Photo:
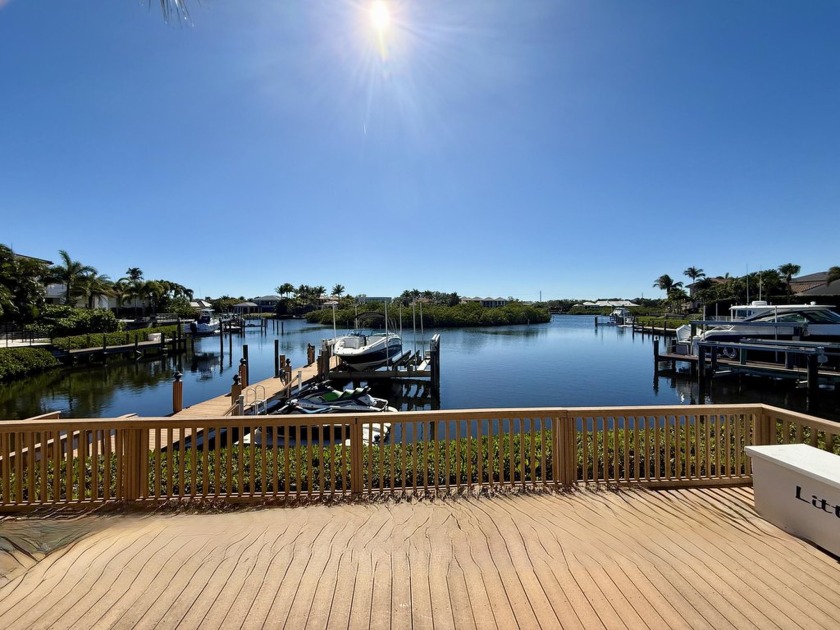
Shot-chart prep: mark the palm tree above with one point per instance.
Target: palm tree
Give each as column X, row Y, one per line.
column 133, row 274
column 153, row 291
column 70, row 273
column 832, row 275
column 93, row 286
column 285, row 289
column 338, row 290
column 666, row 283
column 694, row 273
column 788, row 270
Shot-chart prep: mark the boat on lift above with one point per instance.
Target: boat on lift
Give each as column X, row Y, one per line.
column 206, row 324
column 364, row 349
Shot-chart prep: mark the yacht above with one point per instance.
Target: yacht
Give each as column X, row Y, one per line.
column 800, row 322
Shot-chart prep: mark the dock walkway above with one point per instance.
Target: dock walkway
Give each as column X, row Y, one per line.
column 267, row 389
column 692, row 558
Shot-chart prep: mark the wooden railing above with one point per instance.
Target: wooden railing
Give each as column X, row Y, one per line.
column 280, row 459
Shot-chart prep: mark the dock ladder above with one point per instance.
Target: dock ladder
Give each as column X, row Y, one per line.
column 255, row 398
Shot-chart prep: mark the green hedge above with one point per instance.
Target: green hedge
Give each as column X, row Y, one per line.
column 16, row 362
column 659, row 322
column 98, row 340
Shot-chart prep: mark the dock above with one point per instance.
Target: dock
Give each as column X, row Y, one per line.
column 799, row 361
column 137, row 349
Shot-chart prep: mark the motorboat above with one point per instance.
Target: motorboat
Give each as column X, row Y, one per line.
column 206, row 324
column 361, row 350
column 742, row 312
column 621, row 317
column 798, row 322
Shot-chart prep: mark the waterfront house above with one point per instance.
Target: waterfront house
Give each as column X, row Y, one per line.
column 487, row 302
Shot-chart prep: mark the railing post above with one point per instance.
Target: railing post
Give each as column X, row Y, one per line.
column 764, row 429
column 134, row 463
column 357, row 479
column 565, row 451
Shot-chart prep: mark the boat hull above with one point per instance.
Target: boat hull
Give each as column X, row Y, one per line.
column 365, row 354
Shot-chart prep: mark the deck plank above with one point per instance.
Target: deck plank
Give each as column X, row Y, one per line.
column 697, row 558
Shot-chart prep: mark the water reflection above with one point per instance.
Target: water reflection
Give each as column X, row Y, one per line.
column 564, row 363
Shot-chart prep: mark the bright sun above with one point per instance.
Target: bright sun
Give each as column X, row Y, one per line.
column 380, row 17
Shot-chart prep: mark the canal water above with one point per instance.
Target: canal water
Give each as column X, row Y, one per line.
column 567, row 362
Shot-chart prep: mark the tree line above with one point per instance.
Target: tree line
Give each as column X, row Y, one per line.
column 726, row 288
column 24, row 281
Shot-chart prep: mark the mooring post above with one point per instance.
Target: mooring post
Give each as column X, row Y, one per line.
column 177, row 393
column 236, row 388
column 813, row 379
column 247, row 378
column 656, row 355
column 276, row 358
column 288, row 370
column 243, row 372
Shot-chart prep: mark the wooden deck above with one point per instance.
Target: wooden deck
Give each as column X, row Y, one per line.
column 698, row 558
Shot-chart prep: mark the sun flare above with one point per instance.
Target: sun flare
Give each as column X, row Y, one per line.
column 380, row 17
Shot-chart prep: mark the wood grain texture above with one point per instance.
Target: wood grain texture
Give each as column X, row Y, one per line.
column 689, row 558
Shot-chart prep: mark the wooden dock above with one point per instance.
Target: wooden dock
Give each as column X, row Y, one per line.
column 136, row 350
column 692, row 558
column 265, row 390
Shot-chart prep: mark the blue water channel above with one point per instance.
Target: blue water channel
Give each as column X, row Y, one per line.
column 566, row 362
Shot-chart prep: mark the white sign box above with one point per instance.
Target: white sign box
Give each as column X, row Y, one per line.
column 797, row 487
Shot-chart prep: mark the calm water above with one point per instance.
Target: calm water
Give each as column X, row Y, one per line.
column 566, row 362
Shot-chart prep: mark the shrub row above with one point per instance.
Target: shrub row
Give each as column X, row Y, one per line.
column 98, row 340
column 16, row 362
column 659, row 322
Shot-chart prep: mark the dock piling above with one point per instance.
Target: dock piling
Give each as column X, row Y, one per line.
column 177, row 393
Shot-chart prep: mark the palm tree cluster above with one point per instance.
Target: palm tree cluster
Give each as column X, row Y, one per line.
column 303, row 297
column 432, row 297
column 767, row 282
column 84, row 282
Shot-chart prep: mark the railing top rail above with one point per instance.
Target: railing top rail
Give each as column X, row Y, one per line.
column 137, row 422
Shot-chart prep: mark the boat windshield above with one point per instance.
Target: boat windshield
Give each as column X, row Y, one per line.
column 820, row 317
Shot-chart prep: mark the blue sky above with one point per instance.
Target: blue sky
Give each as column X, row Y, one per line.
column 506, row 148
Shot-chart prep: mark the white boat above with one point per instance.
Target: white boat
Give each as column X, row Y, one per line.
column 362, row 350
column 206, row 324
column 743, row 312
column 621, row 317
column 800, row 322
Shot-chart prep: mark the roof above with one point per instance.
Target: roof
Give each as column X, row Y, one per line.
column 611, row 303
column 267, row 298
column 811, row 277
column 823, row 289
